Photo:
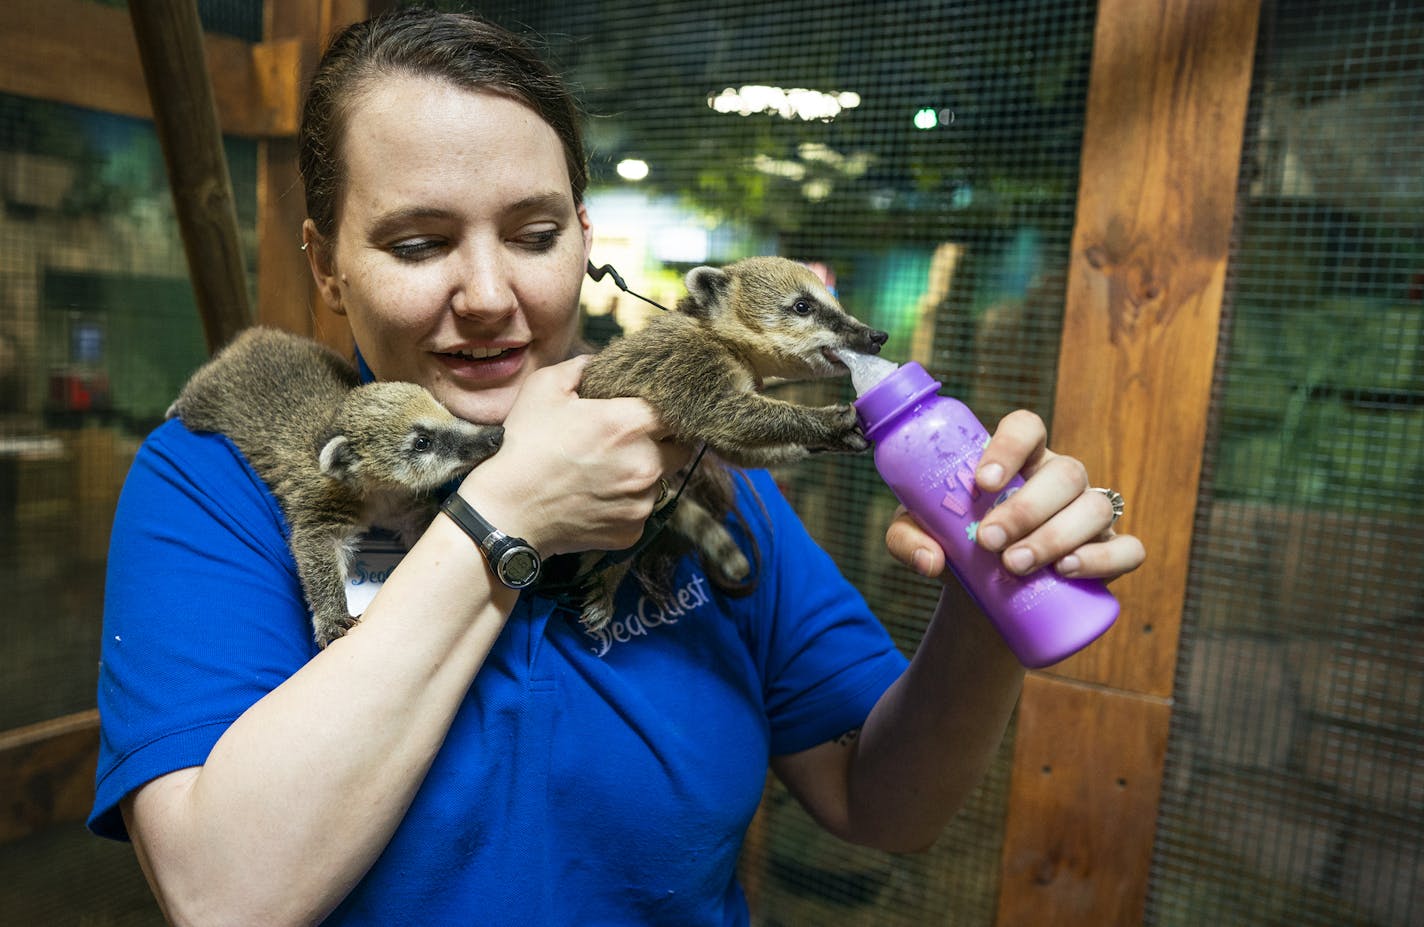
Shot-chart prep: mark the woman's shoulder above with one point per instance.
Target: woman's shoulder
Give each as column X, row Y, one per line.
column 180, row 472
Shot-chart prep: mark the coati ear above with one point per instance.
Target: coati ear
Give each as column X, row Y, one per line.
column 708, row 287
column 338, row 459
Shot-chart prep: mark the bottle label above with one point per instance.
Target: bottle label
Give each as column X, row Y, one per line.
column 948, row 484
column 953, row 472
column 1024, row 592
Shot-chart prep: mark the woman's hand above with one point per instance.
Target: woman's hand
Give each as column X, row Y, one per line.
column 1055, row 518
column 574, row 474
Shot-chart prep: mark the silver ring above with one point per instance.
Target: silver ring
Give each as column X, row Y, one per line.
column 663, row 490
column 1119, row 505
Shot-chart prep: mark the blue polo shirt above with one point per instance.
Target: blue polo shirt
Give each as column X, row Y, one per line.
column 586, row 779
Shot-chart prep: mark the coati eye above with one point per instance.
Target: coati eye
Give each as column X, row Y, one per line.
column 802, row 307
column 421, row 444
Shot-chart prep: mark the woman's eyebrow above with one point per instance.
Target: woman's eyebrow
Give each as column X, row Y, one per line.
column 553, row 201
column 391, row 222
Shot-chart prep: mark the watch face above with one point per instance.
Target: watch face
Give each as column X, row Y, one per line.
column 519, row 567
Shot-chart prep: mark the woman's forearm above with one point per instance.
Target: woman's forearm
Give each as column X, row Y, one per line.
column 931, row 737
column 303, row 791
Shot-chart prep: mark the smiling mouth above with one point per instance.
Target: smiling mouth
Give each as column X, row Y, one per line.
column 479, row 354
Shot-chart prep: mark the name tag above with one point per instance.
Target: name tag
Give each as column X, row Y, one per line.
column 376, row 555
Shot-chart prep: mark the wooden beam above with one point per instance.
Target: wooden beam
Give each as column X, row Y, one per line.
column 286, row 294
column 1156, row 201
column 1085, row 786
column 83, row 54
column 170, row 44
column 47, row 773
column 1161, row 151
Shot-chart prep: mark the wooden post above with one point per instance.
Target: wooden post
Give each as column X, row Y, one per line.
column 170, row 44
column 1161, row 152
column 286, row 294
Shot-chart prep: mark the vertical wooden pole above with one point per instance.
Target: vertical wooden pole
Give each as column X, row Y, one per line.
column 286, row 295
column 170, row 44
column 1161, row 152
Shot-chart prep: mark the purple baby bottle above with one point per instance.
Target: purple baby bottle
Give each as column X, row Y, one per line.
column 927, row 447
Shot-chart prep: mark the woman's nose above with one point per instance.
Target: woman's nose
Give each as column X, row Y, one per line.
column 484, row 289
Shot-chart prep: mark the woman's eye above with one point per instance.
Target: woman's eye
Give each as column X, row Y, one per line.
column 539, row 239
column 416, row 249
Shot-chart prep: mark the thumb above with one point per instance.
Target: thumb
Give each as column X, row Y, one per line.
column 561, row 378
column 912, row 545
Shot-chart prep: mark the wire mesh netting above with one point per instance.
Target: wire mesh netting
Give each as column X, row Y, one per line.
column 1295, row 773
column 98, row 328
column 924, row 157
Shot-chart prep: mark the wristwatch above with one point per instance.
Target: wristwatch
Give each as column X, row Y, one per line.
column 514, row 562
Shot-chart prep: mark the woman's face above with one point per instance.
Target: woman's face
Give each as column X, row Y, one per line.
column 459, row 249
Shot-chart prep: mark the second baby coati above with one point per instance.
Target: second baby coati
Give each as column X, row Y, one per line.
column 702, row 367
column 339, row 456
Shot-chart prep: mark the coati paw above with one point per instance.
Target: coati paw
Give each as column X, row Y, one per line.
column 852, row 439
column 597, row 610
column 330, row 629
column 853, row 442
column 843, row 435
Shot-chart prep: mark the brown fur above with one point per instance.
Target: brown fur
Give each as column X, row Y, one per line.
column 338, row 456
column 702, row 368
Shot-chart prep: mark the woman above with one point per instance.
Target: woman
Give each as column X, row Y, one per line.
column 466, row 753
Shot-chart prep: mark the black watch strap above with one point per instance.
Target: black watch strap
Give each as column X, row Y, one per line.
column 514, row 562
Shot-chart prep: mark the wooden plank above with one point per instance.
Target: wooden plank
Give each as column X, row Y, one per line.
column 84, row 54
column 1161, row 150
column 1162, row 142
column 1085, row 786
column 277, row 70
column 286, row 294
column 285, row 290
column 47, row 773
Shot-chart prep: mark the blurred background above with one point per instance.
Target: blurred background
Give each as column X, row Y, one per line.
column 931, row 160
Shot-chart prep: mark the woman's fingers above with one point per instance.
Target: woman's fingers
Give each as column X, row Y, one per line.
column 1108, row 558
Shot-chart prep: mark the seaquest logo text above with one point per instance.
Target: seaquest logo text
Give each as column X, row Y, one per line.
column 650, row 615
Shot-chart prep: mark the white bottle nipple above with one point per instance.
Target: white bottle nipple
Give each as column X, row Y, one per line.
column 866, row 370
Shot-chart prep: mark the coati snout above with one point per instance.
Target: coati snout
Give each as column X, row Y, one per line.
column 398, row 435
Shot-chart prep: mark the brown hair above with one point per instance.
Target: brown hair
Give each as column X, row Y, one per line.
column 461, row 48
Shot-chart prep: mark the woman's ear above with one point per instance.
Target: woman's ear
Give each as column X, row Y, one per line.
column 587, row 227
column 323, row 266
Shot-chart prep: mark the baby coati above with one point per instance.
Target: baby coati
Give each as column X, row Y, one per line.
column 339, row 456
column 702, row 367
